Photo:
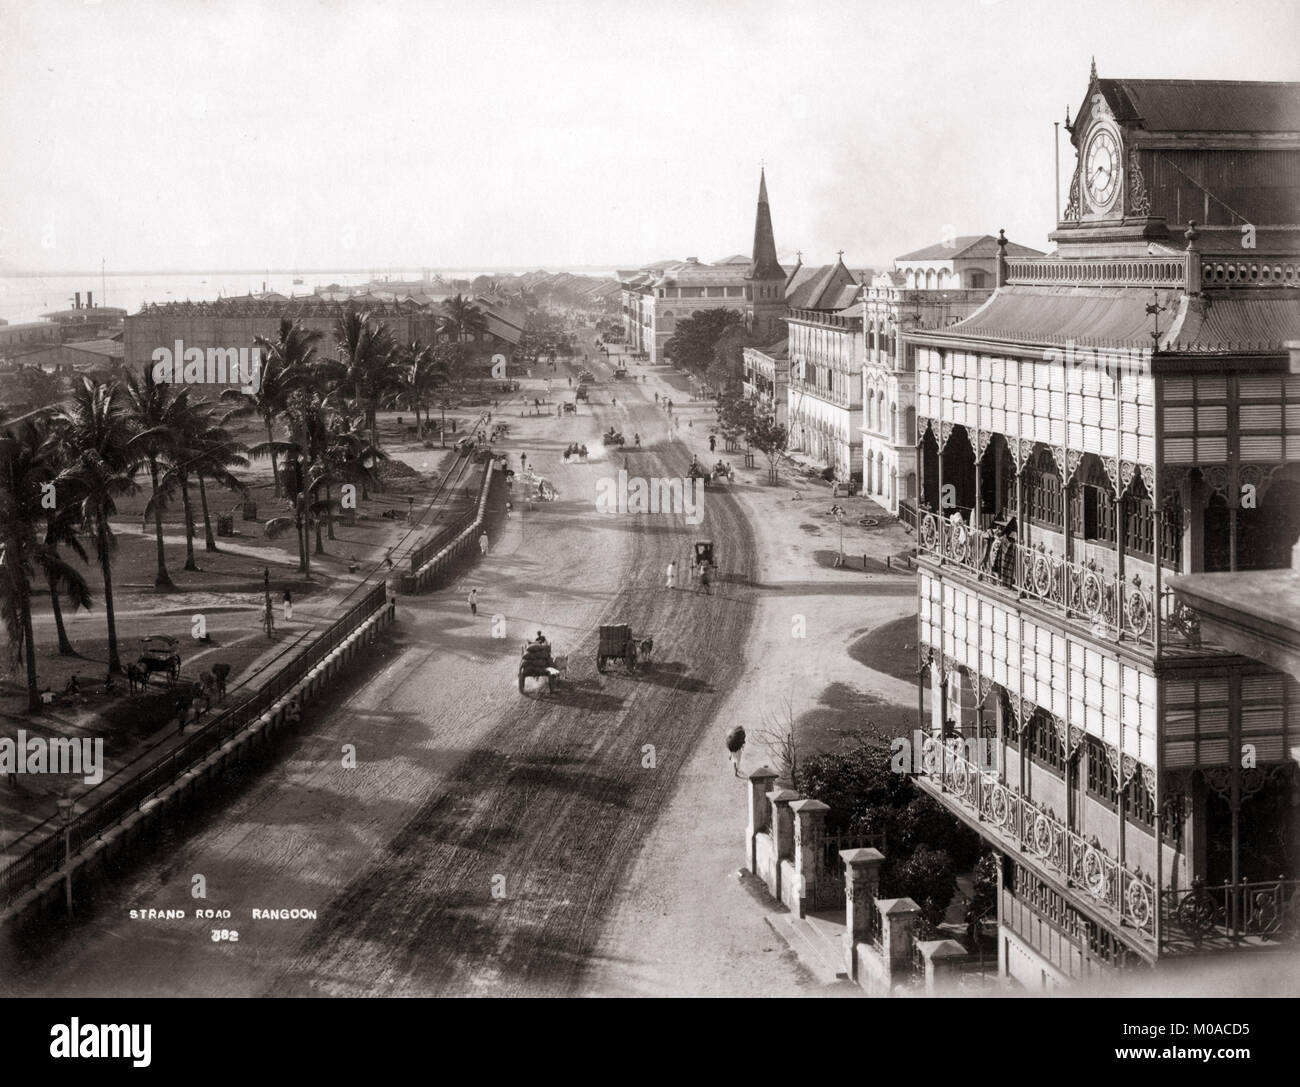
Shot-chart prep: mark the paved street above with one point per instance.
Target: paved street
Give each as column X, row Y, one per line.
column 462, row 786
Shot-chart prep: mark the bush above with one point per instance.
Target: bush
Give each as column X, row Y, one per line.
column 927, row 878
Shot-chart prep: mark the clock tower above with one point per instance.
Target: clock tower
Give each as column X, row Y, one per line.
column 1108, row 210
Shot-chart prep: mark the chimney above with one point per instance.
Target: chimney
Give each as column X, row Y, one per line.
column 76, row 300
column 1000, row 280
column 90, row 300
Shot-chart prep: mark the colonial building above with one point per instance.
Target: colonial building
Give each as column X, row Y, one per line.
column 656, row 297
column 235, row 322
column 766, row 378
column 826, row 351
column 930, row 288
column 1118, row 414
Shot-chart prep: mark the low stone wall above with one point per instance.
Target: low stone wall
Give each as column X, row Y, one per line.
column 435, row 571
column 90, row 862
column 785, row 848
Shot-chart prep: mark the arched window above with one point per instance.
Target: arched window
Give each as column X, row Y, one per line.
column 910, row 436
column 893, row 422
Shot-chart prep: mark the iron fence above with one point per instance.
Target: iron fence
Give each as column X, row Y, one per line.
column 41, row 850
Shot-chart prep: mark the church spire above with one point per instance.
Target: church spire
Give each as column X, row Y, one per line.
column 764, row 264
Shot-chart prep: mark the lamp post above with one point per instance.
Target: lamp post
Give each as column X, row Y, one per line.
column 66, row 807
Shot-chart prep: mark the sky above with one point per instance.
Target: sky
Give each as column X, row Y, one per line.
column 333, row 134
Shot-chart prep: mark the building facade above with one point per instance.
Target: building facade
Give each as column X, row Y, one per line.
column 1118, row 414
column 766, row 379
column 925, row 289
column 655, row 298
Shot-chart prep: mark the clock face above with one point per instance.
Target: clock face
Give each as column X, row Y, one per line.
column 1101, row 168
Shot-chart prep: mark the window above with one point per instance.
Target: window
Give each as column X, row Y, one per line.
column 1139, row 526
column 1101, row 779
column 1093, row 513
column 1138, row 804
column 1044, row 499
column 1045, row 745
column 1171, row 535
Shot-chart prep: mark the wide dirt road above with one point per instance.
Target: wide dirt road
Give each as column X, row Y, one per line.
column 477, row 843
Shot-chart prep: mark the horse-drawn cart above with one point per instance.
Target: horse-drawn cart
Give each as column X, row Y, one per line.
column 538, row 662
column 618, row 643
column 160, row 653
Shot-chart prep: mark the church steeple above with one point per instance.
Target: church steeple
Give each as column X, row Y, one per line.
column 764, row 264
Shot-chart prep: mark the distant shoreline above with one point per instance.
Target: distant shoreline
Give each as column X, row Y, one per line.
column 520, row 269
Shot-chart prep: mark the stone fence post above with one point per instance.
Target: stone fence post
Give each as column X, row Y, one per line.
column 782, row 826
column 898, row 917
column 941, row 958
column 861, row 886
column 809, row 819
column 760, row 781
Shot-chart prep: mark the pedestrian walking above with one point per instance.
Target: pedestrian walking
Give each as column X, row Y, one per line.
column 287, row 604
column 713, row 443
column 388, row 558
column 473, row 601
column 483, row 544
column 523, row 461
column 672, row 576
column 704, row 579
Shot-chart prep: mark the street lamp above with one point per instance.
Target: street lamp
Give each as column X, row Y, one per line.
column 66, row 806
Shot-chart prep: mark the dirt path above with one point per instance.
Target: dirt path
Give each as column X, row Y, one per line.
column 460, row 780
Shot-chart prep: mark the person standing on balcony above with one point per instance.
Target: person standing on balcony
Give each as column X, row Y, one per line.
column 1005, row 568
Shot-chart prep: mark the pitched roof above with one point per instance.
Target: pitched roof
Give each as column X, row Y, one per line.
column 1245, row 321
column 968, row 247
column 1204, row 105
column 830, row 287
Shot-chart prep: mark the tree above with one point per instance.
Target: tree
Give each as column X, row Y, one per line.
column 696, row 338
column 286, row 363
column 366, row 363
column 95, row 430
column 214, row 451
column 27, row 471
column 63, row 525
column 159, row 416
column 462, row 319
column 418, row 375
column 770, row 438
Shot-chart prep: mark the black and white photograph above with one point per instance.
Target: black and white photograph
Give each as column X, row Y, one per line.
column 759, row 499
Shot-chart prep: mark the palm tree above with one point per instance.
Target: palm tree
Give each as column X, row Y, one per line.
column 366, row 363
column 215, row 453
column 63, row 524
column 27, row 467
column 462, row 319
column 418, row 375
column 286, row 363
column 96, row 431
column 160, row 419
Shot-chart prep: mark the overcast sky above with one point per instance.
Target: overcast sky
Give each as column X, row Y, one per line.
column 298, row 134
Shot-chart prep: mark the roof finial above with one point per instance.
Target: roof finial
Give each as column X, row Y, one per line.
column 841, row 254
column 1093, row 73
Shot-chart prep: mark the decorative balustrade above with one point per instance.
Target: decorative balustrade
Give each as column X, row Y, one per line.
column 1036, row 831
column 1120, row 271
column 1113, row 606
column 1205, row 917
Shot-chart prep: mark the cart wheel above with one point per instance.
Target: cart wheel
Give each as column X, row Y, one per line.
column 521, row 681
